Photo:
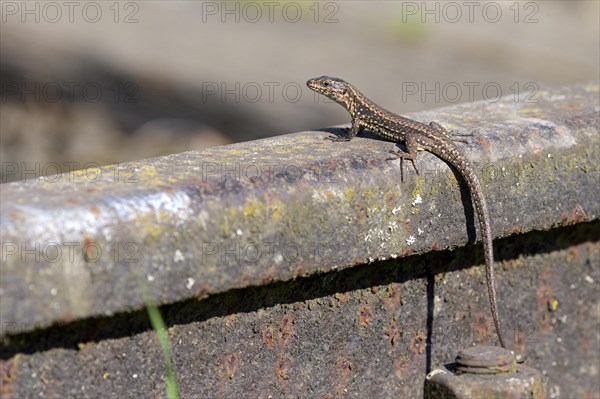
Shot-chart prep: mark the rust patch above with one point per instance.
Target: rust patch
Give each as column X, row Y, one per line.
column 574, row 254
column 95, row 210
column 89, row 249
column 282, row 368
column 392, row 298
column 65, row 318
column 577, row 215
column 165, row 188
column 72, row 201
column 482, row 328
column 364, row 315
column 515, row 230
column 269, row 275
column 344, row 369
column 16, row 216
column 226, row 369
column 286, row 331
column 342, row 297
column 202, row 291
column 401, row 366
column 390, row 200
column 362, row 215
column 231, row 365
column 545, row 296
column 484, row 141
column 408, row 251
column 300, row 272
column 268, row 337
column 417, row 346
column 520, row 336
column 393, row 332
column 245, row 280
column 7, row 376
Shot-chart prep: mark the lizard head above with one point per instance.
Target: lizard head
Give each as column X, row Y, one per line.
column 337, row 89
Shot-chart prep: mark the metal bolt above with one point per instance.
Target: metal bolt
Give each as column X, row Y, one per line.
column 485, row 360
column 484, row 371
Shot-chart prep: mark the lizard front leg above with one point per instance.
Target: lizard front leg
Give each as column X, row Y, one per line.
column 354, row 130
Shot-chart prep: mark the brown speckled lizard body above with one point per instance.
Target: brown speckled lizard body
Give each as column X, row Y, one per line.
column 416, row 136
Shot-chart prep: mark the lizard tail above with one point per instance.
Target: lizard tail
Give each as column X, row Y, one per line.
column 486, row 232
column 466, row 170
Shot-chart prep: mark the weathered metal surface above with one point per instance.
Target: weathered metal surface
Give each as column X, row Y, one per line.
column 372, row 331
column 484, row 372
column 89, row 243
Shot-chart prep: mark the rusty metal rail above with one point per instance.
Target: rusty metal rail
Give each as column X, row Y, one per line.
column 238, row 224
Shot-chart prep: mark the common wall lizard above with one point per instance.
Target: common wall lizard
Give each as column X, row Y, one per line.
column 416, row 136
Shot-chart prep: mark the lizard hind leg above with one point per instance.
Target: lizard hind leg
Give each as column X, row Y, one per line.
column 410, row 155
column 439, row 128
column 453, row 135
column 456, row 140
column 458, row 137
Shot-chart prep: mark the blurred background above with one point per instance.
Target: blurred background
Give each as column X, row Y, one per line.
column 92, row 83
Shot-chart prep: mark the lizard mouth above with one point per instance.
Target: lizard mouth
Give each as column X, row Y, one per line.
column 320, row 84
column 313, row 85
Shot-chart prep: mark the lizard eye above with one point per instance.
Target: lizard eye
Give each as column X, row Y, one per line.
column 326, row 84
